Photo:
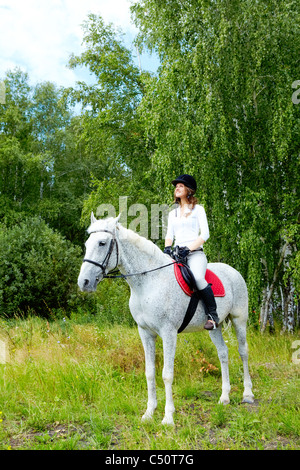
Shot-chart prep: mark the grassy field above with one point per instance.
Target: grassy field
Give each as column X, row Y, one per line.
column 76, row 384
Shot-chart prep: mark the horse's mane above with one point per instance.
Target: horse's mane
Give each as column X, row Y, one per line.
column 146, row 246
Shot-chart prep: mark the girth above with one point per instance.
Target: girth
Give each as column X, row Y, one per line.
column 193, row 303
column 195, row 297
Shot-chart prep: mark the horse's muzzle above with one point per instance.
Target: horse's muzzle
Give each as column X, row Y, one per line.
column 86, row 285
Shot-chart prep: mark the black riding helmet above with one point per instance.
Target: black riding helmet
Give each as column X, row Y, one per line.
column 187, row 180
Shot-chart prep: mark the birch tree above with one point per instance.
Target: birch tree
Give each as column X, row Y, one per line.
column 221, row 108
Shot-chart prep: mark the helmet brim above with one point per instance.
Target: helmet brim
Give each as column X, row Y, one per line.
column 178, row 180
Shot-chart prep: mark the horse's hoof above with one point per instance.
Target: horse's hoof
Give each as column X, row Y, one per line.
column 224, row 401
column 147, row 416
column 248, row 399
column 168, row 421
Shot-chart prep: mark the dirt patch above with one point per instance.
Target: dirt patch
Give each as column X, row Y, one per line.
column 50, row 433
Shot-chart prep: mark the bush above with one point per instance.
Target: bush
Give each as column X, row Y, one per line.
column 38, row 269
column 112, row 298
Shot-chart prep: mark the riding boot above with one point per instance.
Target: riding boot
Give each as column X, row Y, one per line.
column 208, row 298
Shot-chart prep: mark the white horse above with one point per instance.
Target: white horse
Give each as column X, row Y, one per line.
column 158, row 304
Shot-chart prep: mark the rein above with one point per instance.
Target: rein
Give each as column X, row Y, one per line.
column 113, row 276
column 105, row 262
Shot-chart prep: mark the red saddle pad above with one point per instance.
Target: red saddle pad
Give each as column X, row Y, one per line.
column 210, row 277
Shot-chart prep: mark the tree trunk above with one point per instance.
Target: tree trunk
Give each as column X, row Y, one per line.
column 289, row 309
column 268, row 293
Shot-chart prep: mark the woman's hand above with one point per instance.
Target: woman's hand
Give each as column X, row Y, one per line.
column 168, row 250
column 180, row 253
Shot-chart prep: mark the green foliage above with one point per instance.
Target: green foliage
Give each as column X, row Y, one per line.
column 221, row 109
column 38, row 269
column 21, row 178
column 112, row 133
column 41, row 170
column 110, row 103
column 112, row 303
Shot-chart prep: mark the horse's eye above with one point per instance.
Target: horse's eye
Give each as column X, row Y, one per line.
column 101, row 243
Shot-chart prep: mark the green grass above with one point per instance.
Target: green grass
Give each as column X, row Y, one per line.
column 76, row 384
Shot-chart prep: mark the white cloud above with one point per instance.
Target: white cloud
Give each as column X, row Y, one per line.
column 40, row 35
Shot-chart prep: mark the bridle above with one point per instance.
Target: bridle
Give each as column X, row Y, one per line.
column 105, row 262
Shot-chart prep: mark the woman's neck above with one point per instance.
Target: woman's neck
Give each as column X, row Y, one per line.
column 183, row 202
column 185, row 208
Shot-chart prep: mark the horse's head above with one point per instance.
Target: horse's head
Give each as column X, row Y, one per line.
column 101, row 254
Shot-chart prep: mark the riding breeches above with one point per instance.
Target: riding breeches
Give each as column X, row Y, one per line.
column 197, row 261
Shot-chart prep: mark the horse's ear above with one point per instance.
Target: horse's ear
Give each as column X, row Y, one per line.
column 93, row 218
column 117, row 220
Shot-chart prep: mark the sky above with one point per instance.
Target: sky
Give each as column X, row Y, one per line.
column 40, row 35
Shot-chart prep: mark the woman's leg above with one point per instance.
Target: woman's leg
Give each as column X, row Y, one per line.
column 197, row 261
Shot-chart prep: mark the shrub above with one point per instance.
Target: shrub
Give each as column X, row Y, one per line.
column 38, row 268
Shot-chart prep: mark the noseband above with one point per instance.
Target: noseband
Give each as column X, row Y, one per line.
column 105, row 262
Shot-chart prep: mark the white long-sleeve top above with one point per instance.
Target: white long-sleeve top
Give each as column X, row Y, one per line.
column 186, row 229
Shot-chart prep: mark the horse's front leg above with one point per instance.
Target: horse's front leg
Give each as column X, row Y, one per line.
column 169, row 345
column 148, row 340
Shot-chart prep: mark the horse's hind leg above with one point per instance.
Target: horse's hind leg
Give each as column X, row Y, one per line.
column 148, row 340
column 240, row 328
column 218, row 340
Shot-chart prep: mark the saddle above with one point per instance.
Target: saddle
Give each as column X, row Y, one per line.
column 186, row 280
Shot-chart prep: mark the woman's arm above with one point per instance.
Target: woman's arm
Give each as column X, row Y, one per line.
column 168, row 242
column 204, row 230
column 196, row 244
column 170, row 232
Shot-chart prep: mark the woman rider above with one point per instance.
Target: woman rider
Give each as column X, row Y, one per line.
column 187, row 224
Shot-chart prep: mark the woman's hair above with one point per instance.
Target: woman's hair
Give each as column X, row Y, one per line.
column 191, row 198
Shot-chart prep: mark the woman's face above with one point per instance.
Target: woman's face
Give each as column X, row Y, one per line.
column 181, row 191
